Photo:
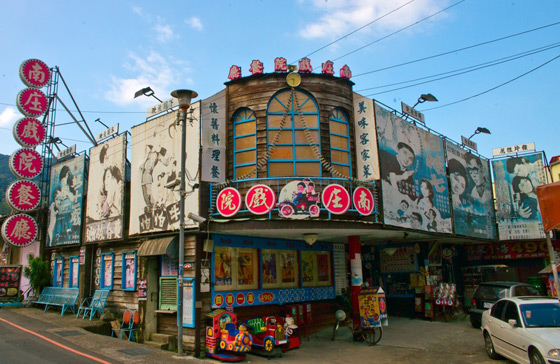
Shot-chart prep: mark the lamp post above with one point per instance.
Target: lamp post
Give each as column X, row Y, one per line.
column 184, row 97
column 147, row 91
column 480, row 130
column 423, row 98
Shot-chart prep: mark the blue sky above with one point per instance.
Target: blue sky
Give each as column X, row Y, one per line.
column 107, row 50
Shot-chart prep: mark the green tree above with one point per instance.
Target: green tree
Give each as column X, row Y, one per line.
column 38, row 272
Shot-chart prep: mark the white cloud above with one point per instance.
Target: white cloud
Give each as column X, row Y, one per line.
column 343, row 16
column 195, row 23
column 9, row 116
column 154, row 70
column 164, row 33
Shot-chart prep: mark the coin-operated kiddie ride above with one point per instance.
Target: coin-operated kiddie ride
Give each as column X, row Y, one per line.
column 268, row 335
column 224, row 341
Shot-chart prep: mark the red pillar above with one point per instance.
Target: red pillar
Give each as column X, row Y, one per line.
column 356, row 277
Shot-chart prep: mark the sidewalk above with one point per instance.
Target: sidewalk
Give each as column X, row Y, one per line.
column 403, row 341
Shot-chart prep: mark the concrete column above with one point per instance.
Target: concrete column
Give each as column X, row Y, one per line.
column 356, row 277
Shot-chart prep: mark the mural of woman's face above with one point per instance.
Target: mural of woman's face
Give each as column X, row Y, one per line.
column 525, row 185
column 458, row 183
column 424, row 188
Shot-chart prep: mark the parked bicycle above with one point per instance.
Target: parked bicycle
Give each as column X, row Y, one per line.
column 360, row 332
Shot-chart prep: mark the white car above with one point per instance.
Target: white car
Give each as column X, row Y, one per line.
column 523, row 329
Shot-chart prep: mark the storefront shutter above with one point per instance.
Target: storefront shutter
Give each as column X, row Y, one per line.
column 168, row 293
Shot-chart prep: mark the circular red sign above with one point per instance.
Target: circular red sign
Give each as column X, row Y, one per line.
column 363, row 200
column 34, row 73
column 250, row 298
column 229, row 299
column 260, row 199
column 26, row 163
column 29, row 132
column 20, row 230
column 218, row 300
column 240, row 299
column 336, row 199
column 23, row 195
column 228, row 202
column 32, row 102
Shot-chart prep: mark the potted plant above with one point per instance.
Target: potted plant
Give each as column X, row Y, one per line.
column 39, row 274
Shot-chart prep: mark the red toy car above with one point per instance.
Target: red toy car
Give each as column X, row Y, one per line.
column 267, row 333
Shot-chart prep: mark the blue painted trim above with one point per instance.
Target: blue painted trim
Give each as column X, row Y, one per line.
column 243, row 115
column 102, row 277
column 193, row 303
column 55, row 272
column 123, row 271
column 71, row 271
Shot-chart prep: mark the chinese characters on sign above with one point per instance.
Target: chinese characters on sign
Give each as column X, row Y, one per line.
column 20, row 230
column 336, row 199
column 34, row 73
column 364, row 201
column 406, row 109
column 107, row 133
column 32, row 102
column 280, row 65
column 23, row 195
column 213, row 137
column 26, row 163
column 260, row 199
column 519, row 148
column 66, row 152
column 228, row 202
column 234, row 72
column 160, row 108
column 256, row 67
column 29, row 132
column 366, row 139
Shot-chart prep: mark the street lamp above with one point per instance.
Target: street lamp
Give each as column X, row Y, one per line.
column 480, row 130
column 146, row 91
column 184, row 97
column 423, row 98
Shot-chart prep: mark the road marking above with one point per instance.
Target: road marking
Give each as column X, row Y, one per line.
column 55, row 343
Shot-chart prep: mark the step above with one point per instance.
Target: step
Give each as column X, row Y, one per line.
column 157, row 345
column 160, row 338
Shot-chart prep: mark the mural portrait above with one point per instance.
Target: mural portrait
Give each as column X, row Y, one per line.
column 516, row 181
column 105, row 197
column 155, row 173
column 413, row 177
column 470, row 187
column 65, row 202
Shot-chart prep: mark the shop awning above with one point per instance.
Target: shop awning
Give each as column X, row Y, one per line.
column 160, row 246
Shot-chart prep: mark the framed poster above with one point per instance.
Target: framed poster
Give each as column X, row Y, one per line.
column 289, row 268
column 107, row 268
column 247, row 266
column 222, row 268
column 324, row 273
column 129, row 263
column 279, row 268
column 235, row 268
column 58, row 272
column 308, row 268
column 269, row 268
column 74, row 271
column 189, row 300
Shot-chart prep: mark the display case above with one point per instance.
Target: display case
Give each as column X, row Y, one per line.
column 398, row 284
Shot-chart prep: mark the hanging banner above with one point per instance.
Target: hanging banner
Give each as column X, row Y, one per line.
column 105, row 197
column 516, row 180
column 213, row 137
column 20, row 230
column 413, row 177
column 366, row 139
column 156, row 173
column 34, row 73
column 471, row 193
column 65, row 202
column 23, row 195
column 29, row 132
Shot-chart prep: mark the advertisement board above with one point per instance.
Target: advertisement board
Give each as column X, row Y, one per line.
column 156, row 173
column 413, row 177
column 65, row 202
column 516, row 180
column 471, row 193
column 105, row 197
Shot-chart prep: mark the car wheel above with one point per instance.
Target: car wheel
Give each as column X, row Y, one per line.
column 489, row 346
column 268, row 345
column 475, row 322
column 535, row 357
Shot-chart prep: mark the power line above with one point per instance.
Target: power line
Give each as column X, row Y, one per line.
column 496, row 87
column 462, row 71
column 456, row 50
column 357, row 30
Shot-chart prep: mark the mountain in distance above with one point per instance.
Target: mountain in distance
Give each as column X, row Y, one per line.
column 6, row 177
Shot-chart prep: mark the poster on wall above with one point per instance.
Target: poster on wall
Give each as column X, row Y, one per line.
column 155, row 177
column 471, row 193
column 105, row 197
column 516, row 180
column 65, row 202
column 413, row 176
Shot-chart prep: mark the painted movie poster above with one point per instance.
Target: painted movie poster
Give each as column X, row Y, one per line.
column 155, row 173
column 516, row 180
column 413, row 176
column 471, row 193
column 105, row 197
column 65, row 202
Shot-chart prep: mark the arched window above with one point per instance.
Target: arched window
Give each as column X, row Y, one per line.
column 292, row 155
column 244, row 142
column 340, row 142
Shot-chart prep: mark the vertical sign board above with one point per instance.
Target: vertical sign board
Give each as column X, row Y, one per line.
column 471, row 193
column 105, row 197
column 156, row 173
column 340, row 269
column 10, row 276
column 213, row 137
column 366, row 140
column 188, row 302
column 516, row 180
column 65, row 202
column 413, row 177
